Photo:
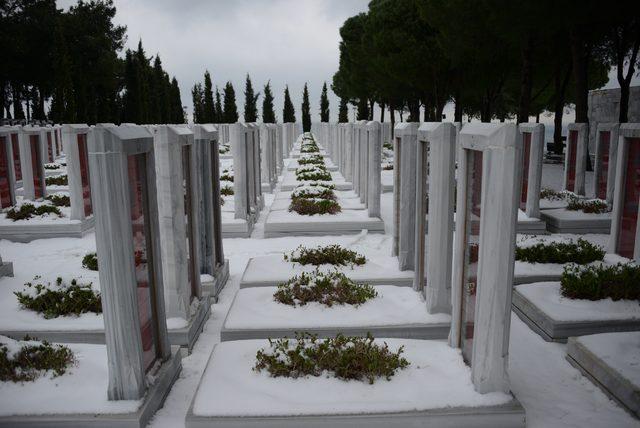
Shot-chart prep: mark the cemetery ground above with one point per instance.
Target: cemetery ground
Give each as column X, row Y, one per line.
column 553, row 392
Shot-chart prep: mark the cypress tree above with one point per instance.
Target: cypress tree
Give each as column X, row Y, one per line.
column 219, row 111
column 324, row 104
column 343, row 111
column 306, row 110
column 363, row 109
column 230, row 109
column 288, row 112
column 141, row 64
column 209, row 108
column 250, row 102
column 198, row 104
column 177, row 112
column 157, row 91
column 62, row 103
column 268, row 114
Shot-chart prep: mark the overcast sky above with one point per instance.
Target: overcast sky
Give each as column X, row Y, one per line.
column 285, row 41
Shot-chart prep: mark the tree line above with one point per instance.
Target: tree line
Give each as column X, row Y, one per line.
column 494, row 59
column 64, row 66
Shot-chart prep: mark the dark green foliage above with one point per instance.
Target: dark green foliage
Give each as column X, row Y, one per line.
column 209, row 108
column 581, row 252
column 219, row 108
column 90, row 261
column 306, row 110
column 268, row 113
column 309, row 147
column 343, row 111
column 230, row 114
column 33, row 361
column 250, row 102
column 226, row 176
column 324, row 104
column 197, row 98
column 313, row 193
column 592, row 206
column 305, row 206
column 226, row 191
column 59, row 200
column 388, row 146
column 57, row 180
column 288, row 112
column 61, row 299
column 176, row 108
column 596, row 282
column 27, row 211
column 329, row 254
column 347, row 358
column 318, row 174
column 331, row 288
column 387, row 166
column 52, row 166
column 316, row 159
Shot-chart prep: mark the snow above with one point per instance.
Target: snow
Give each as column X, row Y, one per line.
column 83, row 389
column 284, row 216
column 565, row 214
column 436, row 378
column 620, row 351
column 43, row 219
column 256, row 308
column 546, row 297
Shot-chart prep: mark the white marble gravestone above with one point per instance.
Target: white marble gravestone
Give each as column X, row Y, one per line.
column 532, row 143
column 374, row 168
column 604, row 168
column 488, row 186
column 575, row 162
column 435, row 181
column 74, row 141
column 624, row 239
column 32, row 163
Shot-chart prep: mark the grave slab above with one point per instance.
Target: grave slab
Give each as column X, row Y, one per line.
column 284, row 223
column 561, row 220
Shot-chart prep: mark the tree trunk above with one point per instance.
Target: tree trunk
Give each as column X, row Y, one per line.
column 625, row 81
column 392, row 116
column 526, row 81
column 439, row 110
column 372, row 105
column 580, row 75
column 457, row 113
column 538, row 117
column 382, row 106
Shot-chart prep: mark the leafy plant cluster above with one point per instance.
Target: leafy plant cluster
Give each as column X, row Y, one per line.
column 27, row 211
column 597, row 282
column 387, row 166
column 387, row 146
column 313, row 173
column 52, row 166
column 224, row 148
column 307, row 206
column 329, row 254
column 328, row 289
column 590, row 206
column 90, row 261
column 61, row 299
column 344, row 357
column 315, row 159
column 226, row 190
column 59, row 200
column 57, row 180
column 580, row 251
column 34, row 360
column 308, row 192
column 227, row 175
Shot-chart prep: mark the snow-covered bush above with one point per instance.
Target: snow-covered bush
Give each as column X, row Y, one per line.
column 312, row 206
column 315, row 159
column 227, row 174
column 328, row 289
column 580, row 251
column 59, row 200
column 90, row 261
column 60, row 299
column 596, row 282
column 319, row 192
column 591, row 206
column 52, row 166
column 57, row 180
column 346, row 358
column 554, row 195
column 28, row 210
column 226, row 190
column 25, row 361
column 313, row 173
column 330, row 254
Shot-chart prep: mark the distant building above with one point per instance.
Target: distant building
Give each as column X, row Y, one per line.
column 604, row 106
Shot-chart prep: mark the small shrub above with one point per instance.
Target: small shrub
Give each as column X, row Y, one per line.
column 306, row 206
column 224, row 149
column 387, row 167
column 581, row 252
column 309, row 147
column 32, row 361
column 57, row 180
column 311, row 160
column 590, row 206
column 226, row 176
column 226, row 191
column 90, row 261
column 388, row 146
column 59, row 200
column 346, row 358
column 62, row 299
column 554, row 195
column 26, row 211
column 318, row 192
column 52, row 166
column 330, row 254
column 596, row 282
column 325, row 184
column 313, row 173
column 325, row 288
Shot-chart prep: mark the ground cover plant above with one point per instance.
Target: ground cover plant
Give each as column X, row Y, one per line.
column 57, row 180
column 388, row 146
column 554, row 195
column 388, row 166
column 60, row 299
column 580, row 251
column 307, row 192
column 59, row 200
column 313, row 206
column 330, row 288
column 315, row 159
column 344, row 357
column 589, row 206
column 52, row 166
column 227, row 175
column 596, row 282
column 90, row 261
column 27, row 361
column 27, row 211
column 223, row 149
column 313, row 173
column 329, row 254
column 226, row 190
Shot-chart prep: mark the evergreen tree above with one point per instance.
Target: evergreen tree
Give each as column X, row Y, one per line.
column 62, row 104
column 209, row 108
column 306, row 110
column 288, row 112
column 230, row 109
column 324, row 104
column 363, row 111
column 250, row 102
column 198, row 104
column 177, row 111
column 343, row 111
column 219, row 111
column 268, row 114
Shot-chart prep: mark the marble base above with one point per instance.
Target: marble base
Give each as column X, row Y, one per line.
column 320, row 225
column 578, row 223
column 535, row 227
column 237, row 229
column 21, row 232
column 213, row 288
column 154, row 399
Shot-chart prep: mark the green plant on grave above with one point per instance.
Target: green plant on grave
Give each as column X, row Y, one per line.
column 57, row 180
column 591, row 206
column 226, row 190
column 27, row 211
column 304, row 206
column 33, row 360
column 580, row 251
column 309, row 148
column 329, row 254
column 59, row 200
column 52, row 166
column 311, row 160
column 344, row 357
column 318, row 192
column 554, row 195
column 597, row 282
column 387, row 166
column 313, row 173
column 226, row 175
column 388, row 146
column 60, row 299
column 330, row 288
column 90, row 261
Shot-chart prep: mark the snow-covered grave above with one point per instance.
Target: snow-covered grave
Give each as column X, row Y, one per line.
column 214, row 268
column 532, row 140
column 7, row 173
column 435, row 179
column 177, row 208
column 612, row 362
column 268, row 162
column 625, row 233
column 141, row 366
column 247, row 198
column 604, row 168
